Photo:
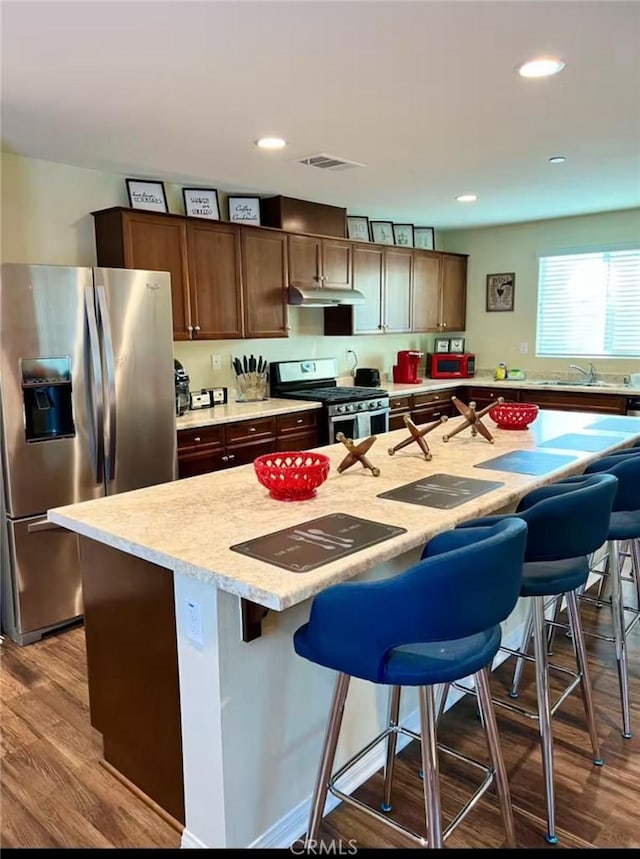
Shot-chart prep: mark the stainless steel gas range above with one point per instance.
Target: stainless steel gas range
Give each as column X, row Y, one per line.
column 356, row 412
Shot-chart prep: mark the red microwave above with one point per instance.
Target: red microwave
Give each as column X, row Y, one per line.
column 451, row 365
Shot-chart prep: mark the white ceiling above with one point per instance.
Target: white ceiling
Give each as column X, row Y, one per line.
column 422, row 93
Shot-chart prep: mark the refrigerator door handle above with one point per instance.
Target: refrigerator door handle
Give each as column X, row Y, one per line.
column 95, row 411
column 43, row 525
column 107, row 339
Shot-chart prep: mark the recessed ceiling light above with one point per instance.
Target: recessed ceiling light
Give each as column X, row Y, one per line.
column 467, row 198
column 271, row 143
column 557, row 159
column 541, row 67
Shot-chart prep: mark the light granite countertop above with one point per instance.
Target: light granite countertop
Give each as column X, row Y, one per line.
column 188, row 525
column 231, row 412
column 397, row 389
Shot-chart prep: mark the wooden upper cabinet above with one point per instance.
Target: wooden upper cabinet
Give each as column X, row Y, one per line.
column 396, row 302
column 305, row 260
column 368, row 274
column 320, row 262
column 454, row 293
column 129, row 239
column 337, row 261
column 427, row 272
column 214, row 278
column 264, row 272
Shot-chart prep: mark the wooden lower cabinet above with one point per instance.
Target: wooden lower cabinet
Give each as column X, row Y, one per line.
column 201, row 451
column 399, row 407
column 570, row 401
column 483, row 397
column 430, row 406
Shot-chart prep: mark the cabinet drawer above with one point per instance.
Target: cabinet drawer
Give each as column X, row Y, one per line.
column 426, row 414
column 200, row 461
column 399, row 404
column 298, row 441
column 433, row 397
column 250, row 430
column 200, row 437
column 478, row 394
column 244, row 453
column 296, row 422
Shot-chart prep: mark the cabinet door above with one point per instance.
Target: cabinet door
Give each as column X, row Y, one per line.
column 264, row 281
column 396, row 305
column 214, row 275
column 336, row 264
column 368, row 273
column 427, row 271
column 160, row 244
column 454, row 293
column 304, row 260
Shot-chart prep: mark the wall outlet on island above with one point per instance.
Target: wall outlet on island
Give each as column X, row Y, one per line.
column 195, row 633
column 216, row 362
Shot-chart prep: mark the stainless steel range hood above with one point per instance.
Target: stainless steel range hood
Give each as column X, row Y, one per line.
column 322, row 296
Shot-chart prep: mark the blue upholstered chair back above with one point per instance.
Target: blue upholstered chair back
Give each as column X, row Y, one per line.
column 627, row 470
column 468, row 582
column 569, row 518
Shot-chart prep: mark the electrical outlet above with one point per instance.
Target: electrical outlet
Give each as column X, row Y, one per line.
column 194, row 622
column 216, row 362
column 524, row 348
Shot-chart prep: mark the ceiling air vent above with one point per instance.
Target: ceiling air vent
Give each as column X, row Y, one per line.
column 328, row 162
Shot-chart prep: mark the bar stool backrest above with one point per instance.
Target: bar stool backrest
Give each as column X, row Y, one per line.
column 468, row 582
column 569, row 518
column 627, row 471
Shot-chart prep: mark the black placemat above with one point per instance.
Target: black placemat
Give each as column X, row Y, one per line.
column 305, row 547
column 526, row 462
column 617, row 424
column 581, row 441
column 441, row 490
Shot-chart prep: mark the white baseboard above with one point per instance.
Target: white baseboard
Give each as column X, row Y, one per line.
column 293, row 825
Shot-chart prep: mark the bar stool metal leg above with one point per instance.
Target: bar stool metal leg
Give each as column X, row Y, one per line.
column 517, row 673
column 430, row 767
column 617, row 612
column 495, row 752
column 544, row 712
column 634, row 546
column 583, row 668
column 392, row 742
column 328, row 755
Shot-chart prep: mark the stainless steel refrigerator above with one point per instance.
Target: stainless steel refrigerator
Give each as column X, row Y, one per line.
column 87, row 409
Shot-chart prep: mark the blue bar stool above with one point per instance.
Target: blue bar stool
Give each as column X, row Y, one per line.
column 567, row 521
column 624, row 527
column 437, row 622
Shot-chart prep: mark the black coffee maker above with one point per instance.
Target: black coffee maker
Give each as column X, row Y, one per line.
column 182, row 388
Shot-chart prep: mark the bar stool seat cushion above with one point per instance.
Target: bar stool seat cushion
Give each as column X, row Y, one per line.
column 625, row 525
column 547, row 578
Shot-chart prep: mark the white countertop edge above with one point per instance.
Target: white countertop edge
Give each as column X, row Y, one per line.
column 397, row 389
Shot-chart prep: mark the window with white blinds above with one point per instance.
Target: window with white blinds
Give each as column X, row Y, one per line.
column 589, row 304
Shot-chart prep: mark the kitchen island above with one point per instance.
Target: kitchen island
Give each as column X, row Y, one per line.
column 252, row 715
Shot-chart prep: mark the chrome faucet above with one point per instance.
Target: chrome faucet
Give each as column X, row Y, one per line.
column 590, row 373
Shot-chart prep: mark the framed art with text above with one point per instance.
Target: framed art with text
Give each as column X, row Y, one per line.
column 424, row 238
column 147, row 194
column 500, row 289
column 201, row 203
column 358, row 228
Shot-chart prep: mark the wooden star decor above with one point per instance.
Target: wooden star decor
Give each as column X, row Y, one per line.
column 357, row 453
column 418, row 436
column 473, row 419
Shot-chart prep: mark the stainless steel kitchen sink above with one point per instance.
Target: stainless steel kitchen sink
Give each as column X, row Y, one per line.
column 580, row 383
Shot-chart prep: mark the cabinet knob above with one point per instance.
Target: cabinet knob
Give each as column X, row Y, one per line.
column 232, row 456
column 299, row 421
column 196, row 328
column 444, row 325
column 380, row 327
column 252, row 429
column 197, row 438
column 225, row 459
column 317, row 277
column 189, row 328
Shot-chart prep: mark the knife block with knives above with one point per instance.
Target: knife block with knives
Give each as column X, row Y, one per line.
column 252, row 378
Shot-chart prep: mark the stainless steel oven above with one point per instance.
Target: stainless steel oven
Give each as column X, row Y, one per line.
column 360, row 424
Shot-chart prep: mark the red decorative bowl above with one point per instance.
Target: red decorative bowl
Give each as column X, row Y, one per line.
column 514, row 416
column 292, row 476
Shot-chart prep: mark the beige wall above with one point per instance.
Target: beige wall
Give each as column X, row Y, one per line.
column 497, row 337
column 45, row 210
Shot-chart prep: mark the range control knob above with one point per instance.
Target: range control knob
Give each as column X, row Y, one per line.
column 340, row 408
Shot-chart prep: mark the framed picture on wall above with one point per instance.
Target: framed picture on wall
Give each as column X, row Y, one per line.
column 201, row 203
column 144, row 194
column 358, row 228
column 244, row 209
column 500, row 289
column 382, row 232
column 403, row 235
column 441, row 344
column 456, row 344
column 424, row 238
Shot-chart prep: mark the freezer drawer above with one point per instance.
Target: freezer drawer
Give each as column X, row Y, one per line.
column 44, row 582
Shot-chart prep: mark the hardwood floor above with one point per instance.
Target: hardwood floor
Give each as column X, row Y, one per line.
column 55, row 792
